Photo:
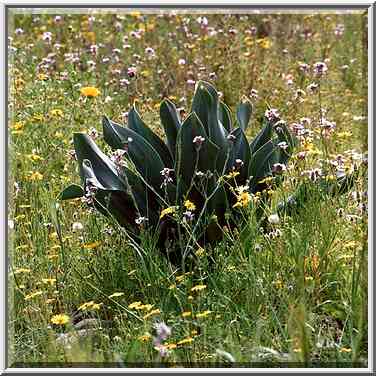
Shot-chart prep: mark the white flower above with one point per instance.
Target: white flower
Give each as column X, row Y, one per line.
column 273, row 219
column 47, row 36
column 149, row 51
column 320, row 68
column 203, row 21
column 141, row 220
column 279, row 168
column 11, row 224
column 77, row 226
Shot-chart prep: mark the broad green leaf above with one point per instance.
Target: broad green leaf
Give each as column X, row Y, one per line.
column 188, row 155
column 136, row 124
column 124, row 212
column 224, row 116
column 171, row 123
column 104, row 168
column 239, row 150
column 145, row 158
column 219, row 202
column 71, row 192
column 263, row 136
column 119, row 205
column 205, row 105
column 262, row 162
column 243, row 114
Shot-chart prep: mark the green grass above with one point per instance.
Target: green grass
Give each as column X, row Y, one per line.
column 299, row 297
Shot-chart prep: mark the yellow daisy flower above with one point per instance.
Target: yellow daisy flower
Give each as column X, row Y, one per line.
column 90, row 91
column 60, row 319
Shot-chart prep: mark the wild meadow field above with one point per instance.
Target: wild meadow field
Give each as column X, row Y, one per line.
column 282, row 285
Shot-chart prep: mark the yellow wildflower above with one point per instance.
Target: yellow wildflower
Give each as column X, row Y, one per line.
column 151, row 313
column 37, row 117
column 90, row 35
column 345, row 349
column 145, row 73
column 144, row 338
column 85, row 306
column 180, row 278
column 243, row 200
column 18, row 125
column 248, row 41
column 198, row 288
column 190, row 205
column 116, row 294
column 167, row 211
column 21, row 247
column 56, row 112
column 186, row 314
column 49, row 281
column 351, row 244
column 92, row 245
column 270, row 192
column 134, row 305
column 36, row 176
column 266, row 180
column 232, row 174
column 150, row 26
column 203, row 314
column 170, row 346
column 22, row 270
column 200, row 252
column 145, row 307
column 33, row 295
column 19, row 83
column 60, row 319
column 264, row 43
column 89, row 91
column 185, row 340
column 53, row 235
column 42, row 77
column 345, row 134
column 90, row 305
column 35, row 157
column 96, row 306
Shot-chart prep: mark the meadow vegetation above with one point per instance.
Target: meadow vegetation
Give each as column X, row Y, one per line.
column 291, row 289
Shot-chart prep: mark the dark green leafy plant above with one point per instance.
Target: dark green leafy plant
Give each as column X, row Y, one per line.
column 205, row 160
